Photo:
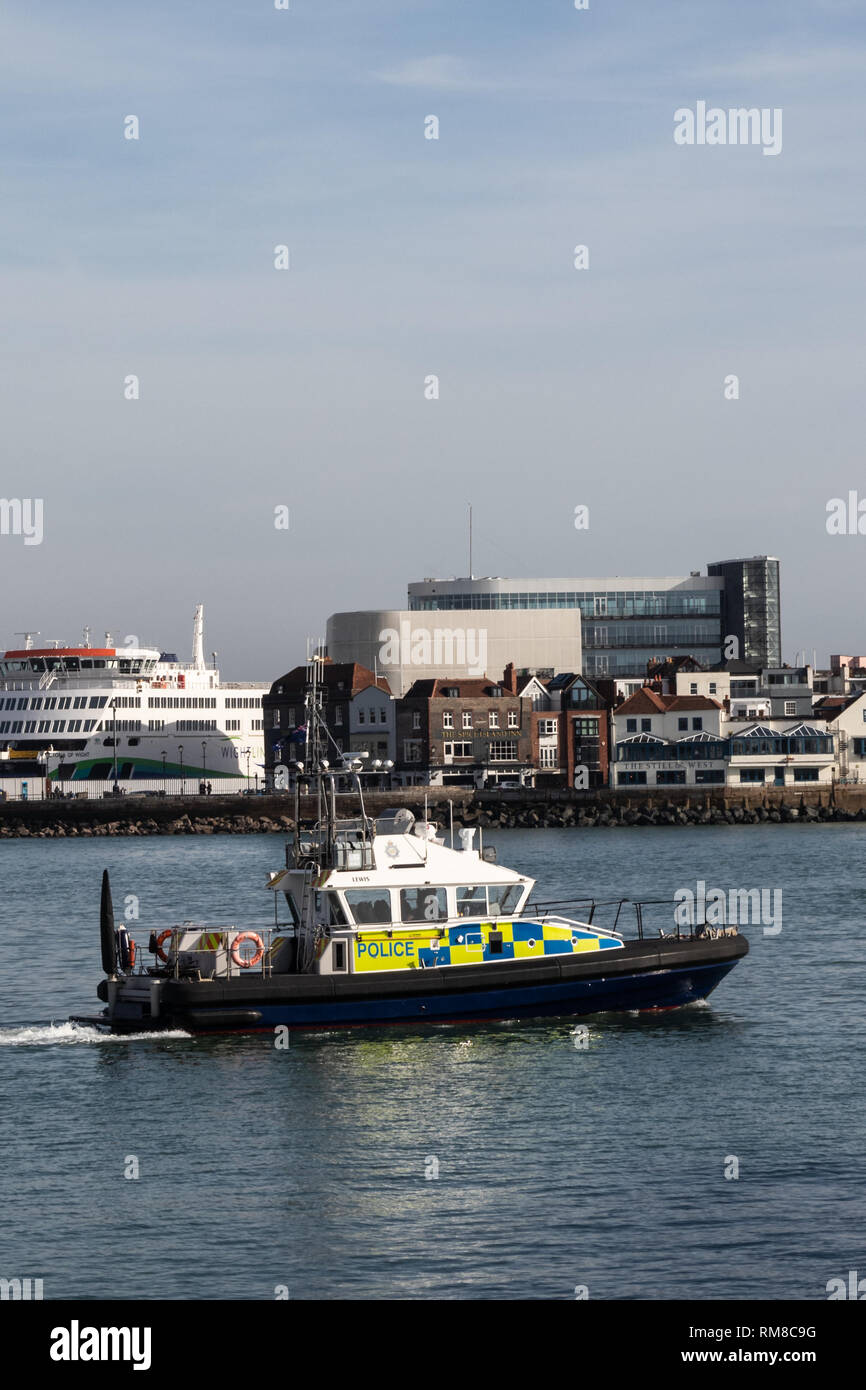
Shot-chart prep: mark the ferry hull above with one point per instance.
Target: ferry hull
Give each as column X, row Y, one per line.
column 645, row 975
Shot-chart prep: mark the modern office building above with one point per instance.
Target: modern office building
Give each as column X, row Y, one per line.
column 406, row 646
column 626, row 622
column 750, row 607
column 599, row 627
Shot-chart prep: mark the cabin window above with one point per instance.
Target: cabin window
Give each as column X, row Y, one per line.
column 503, row 898
column 369, row 905
column 423, row 904
column 471, row 902
column 329, row 906
column 338, row 958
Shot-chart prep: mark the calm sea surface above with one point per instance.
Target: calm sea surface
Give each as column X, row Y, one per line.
column 558, row 1166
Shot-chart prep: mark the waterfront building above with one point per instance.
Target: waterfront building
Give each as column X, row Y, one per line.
column 846, row 721
column 570, row 730
column 598, row 626
column 845, row 676
column 786, row 691
column 406, row 646
column 463, row 731
column 357, row 707
column 625, row 622
column 692, row 740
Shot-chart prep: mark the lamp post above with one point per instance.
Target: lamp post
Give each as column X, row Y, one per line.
column 204, row 760
column 247, row 753
column 163, row 774
column 114, row 787
column 180, row 757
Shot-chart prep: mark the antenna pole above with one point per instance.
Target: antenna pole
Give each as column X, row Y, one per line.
column 470, row 540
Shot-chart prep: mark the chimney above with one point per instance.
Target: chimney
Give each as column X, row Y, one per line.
column 509, row 679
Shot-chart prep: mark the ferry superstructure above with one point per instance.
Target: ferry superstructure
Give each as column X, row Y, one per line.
column 74, row 715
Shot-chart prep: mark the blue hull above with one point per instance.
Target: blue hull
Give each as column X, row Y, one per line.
column 662, row 989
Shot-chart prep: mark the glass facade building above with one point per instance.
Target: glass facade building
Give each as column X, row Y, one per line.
column 750, row 607
column 625, row 622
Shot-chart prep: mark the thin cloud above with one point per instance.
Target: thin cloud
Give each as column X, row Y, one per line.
column 811, row 63
column 441, row 72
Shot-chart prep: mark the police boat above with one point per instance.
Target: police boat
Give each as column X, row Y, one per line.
column 384, row 923
column 377, row 920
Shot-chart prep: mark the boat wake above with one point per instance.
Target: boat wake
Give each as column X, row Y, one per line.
column 70, row 1034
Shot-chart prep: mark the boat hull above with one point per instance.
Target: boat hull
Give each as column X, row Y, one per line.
column 663, row 974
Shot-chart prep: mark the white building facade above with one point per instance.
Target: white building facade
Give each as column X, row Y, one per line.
column 673, row 740
column 405, row 646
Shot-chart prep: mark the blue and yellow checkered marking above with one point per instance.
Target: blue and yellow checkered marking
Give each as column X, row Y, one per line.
column 469, row 944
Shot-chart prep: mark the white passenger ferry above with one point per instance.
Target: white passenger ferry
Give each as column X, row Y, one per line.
column 74, row 715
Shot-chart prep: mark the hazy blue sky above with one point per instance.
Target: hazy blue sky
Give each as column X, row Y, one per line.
column 410, row 257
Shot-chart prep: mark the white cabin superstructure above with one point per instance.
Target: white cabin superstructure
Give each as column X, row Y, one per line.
column 396, row 897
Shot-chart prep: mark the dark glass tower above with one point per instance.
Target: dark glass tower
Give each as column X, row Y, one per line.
column 750, row 607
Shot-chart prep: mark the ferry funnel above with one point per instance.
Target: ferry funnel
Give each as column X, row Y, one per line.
column 198, row 638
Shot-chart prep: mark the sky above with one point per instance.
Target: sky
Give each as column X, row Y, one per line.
column 410, row 257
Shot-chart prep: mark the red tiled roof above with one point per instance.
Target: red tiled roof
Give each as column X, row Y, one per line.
column 646, row 701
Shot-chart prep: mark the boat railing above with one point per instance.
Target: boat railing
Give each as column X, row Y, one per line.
column 677, row 920
column 653, row 917
column 349, row 847
column 179, row 963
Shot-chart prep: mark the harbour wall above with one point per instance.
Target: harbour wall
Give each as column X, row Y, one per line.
column 245, row 815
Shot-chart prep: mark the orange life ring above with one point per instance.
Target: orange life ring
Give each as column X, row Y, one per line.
column 163, row 936
column 238, row 959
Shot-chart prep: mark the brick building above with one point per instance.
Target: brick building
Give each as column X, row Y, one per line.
column 464, row 731
column 570, row 731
